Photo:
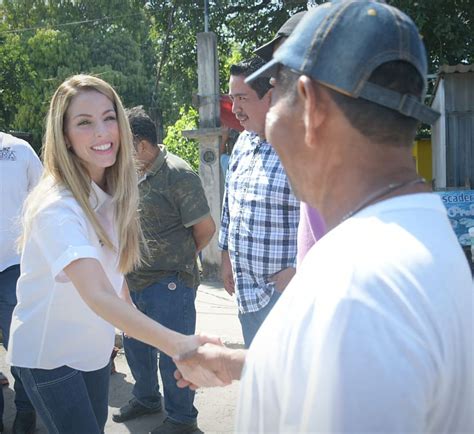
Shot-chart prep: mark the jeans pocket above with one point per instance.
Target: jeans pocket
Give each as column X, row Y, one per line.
column 51, row 377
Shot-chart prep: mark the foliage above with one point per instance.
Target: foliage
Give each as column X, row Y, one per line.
column 60, row 38
column 224, row 70
column 46, row 54
column 16, row 74
column 147, row 48
column 239, row 28
column 447, row 27
column 176, row 143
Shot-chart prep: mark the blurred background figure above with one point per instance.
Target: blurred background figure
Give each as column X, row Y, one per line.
column 20, row 170
column 228, row 139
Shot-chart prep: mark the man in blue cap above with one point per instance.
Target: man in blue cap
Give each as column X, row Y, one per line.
column 375, row 331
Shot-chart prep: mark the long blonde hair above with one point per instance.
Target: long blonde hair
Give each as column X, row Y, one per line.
column 63, row 167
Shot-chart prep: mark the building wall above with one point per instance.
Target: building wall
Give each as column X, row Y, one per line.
column 459, row 108
column 438, row 139
column 423, row 158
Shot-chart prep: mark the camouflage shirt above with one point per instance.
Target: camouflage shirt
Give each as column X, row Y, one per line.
column 172, row 200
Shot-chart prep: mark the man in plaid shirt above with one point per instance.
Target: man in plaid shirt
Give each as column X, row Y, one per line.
column 260, row 214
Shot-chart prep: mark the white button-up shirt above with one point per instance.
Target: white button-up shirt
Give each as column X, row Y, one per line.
column 52, row 326
column 20, row 169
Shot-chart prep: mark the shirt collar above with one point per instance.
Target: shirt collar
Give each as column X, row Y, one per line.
column 98, row 197
column 255, row 139
column 157, row 164
column 159, row 161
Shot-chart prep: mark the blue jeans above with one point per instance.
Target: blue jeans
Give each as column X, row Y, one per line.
column 69, row 401
column 8, row 279
column 251, row 321
column 171, row 303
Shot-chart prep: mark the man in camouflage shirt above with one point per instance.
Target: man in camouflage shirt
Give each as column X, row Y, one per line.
column 176, row 222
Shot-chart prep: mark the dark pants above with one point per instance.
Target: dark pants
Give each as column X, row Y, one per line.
column 69, row 401
column 8, row 279
column 251, row 321
column 171, row 304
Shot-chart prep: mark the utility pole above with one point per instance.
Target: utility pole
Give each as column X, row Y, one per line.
column 208, row 136
column 206, row 16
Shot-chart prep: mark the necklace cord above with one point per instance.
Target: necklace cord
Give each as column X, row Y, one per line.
column 382, row 192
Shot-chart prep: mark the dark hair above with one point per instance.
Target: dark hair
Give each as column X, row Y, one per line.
column 262, row 84
column 287, row 80
column 378, row 123
column 381, row 124
column 143, row 128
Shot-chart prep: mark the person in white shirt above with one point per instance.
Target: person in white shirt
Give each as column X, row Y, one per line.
column 80, row 234
column 20, row 170
column 375, row 332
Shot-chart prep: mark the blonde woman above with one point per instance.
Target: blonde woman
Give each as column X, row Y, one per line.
column 80, row 235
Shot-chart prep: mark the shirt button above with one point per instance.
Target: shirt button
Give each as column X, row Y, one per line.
column 236, row 253
column 239, row 274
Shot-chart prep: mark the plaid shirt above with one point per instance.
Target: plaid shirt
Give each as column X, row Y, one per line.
column 259, row 220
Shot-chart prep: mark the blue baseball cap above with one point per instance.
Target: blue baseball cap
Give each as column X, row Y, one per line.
column 340, row 44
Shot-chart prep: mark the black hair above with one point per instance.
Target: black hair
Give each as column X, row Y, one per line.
column 143, row 128
column 262, row 84
column 287, row 80
column 378, row 123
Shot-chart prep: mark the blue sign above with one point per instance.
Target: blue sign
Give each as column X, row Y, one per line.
column 460, row 206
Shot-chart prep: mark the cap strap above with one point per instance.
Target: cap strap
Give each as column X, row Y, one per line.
column 405, row 104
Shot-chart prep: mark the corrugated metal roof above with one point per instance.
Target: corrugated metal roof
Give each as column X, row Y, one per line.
column 449, row 69
column 460, row 149
column 459, row 95
column 457, row 133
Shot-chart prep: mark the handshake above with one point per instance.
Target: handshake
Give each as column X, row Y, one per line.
column 203, row 361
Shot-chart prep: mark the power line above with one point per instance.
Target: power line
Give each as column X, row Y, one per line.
column 72, row 23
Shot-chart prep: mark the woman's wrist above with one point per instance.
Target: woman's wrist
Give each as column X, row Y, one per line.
column 176, row 343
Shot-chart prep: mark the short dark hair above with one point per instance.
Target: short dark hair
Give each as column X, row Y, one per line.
column 262, row 84
column 287, row 80
column 143, row 128
column 378, row 123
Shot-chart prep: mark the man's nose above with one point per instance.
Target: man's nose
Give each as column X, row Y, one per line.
column 235, row 106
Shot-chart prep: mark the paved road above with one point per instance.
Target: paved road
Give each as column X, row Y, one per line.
column 216, row 314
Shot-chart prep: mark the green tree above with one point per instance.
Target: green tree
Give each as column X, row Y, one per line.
column 147, row 48
column 16, row 74
column 60, row 38
column 178, row 144
column 239, row 27
column 447, row 27
column 47, row 54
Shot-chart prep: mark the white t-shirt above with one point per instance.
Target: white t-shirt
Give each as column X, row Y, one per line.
column 374, row 334
column 20, row 170
column 52, row 326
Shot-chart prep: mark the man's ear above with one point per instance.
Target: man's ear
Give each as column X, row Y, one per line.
column 141, row 146
column 314, row 108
